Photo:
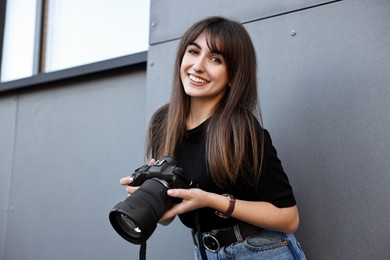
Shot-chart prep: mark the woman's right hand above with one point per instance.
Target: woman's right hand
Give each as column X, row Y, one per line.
column 126, row 181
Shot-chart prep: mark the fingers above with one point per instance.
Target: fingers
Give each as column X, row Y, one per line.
column 173, row 192
column 191, row 199
column 152, row 162
column 169, row 215
column 126, row 181
column 184, row 193
column 130, row 189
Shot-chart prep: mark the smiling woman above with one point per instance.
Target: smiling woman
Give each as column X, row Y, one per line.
column 243, row 202
column 204, row 76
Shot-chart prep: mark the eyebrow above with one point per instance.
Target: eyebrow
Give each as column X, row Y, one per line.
column 198, row 46
column 195, row 44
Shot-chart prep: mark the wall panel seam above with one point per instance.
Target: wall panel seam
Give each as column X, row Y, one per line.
column 8, row 208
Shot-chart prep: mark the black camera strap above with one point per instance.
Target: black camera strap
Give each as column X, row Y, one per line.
column 199, row 235
column 142, row 250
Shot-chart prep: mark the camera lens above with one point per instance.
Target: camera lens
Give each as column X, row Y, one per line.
column 136, row 218
column 128, row 226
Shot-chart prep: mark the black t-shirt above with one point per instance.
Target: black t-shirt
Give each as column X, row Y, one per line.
column 273, row 185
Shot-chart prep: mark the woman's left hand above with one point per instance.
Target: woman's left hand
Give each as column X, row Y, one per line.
column 258, row 213
column 191, row 199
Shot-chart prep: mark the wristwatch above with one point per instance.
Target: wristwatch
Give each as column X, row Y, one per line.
column 229, row 211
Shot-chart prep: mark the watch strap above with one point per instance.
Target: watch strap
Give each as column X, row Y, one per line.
column 229, row 211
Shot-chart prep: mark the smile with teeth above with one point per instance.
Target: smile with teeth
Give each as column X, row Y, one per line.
column 198, row 80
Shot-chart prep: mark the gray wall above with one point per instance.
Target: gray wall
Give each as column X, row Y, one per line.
column 324, row 96
column 63, row 151
column 325, row 99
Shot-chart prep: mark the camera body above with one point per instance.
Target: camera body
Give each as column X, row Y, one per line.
column 136, row 218
column 164, row 170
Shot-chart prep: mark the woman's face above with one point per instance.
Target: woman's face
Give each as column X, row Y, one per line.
column 203, row 72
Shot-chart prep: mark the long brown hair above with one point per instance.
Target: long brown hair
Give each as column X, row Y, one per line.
column 233, row 129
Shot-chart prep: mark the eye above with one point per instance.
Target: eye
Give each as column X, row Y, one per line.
column 193, row 51
column 216, row 60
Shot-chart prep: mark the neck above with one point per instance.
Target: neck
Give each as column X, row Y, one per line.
column 199, row 113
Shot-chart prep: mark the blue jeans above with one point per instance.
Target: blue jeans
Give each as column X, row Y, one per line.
column 266, row 244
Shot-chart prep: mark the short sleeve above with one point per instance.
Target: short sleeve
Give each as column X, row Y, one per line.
column 274, row 186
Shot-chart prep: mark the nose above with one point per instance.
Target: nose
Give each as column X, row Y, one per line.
column 198, row 65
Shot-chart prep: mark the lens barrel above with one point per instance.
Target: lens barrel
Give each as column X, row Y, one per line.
column 136, row 218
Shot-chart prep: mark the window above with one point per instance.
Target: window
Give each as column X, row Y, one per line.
column 60, row 34
column 81, row 32
column 18, row 42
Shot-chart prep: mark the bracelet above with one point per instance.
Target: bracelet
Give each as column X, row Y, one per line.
column 229, row 211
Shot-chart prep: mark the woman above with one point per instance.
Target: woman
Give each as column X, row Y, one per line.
column 244, row 207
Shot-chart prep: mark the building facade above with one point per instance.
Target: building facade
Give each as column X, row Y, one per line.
column 67, row 137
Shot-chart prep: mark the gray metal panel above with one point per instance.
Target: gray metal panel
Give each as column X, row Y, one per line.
column 325, row 98
column 74, row 143
column 169, row 19
column 8, row 111
column 161, row 59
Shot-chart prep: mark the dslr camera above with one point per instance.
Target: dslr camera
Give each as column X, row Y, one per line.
column 136, row 218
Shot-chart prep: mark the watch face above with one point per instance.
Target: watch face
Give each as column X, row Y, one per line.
column 231, row 198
